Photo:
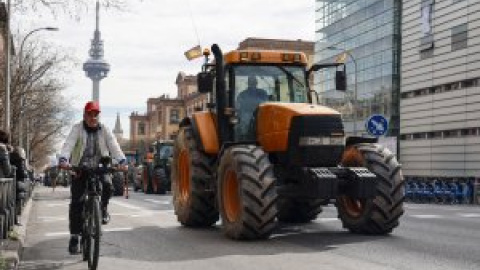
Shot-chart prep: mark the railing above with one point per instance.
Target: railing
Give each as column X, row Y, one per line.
column 7, row 206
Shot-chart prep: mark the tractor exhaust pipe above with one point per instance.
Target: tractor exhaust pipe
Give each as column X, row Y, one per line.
column 220, row 94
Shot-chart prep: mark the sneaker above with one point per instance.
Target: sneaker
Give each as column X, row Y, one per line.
column 105, row 216
column 73, row 247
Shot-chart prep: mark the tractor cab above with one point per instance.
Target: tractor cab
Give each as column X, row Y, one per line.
column 252, row 85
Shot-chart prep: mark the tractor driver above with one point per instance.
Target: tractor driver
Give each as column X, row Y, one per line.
column 248, row 101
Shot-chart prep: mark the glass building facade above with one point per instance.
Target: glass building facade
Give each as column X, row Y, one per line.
column 369, row 30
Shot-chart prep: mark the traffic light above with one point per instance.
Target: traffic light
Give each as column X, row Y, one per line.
column 341, row 80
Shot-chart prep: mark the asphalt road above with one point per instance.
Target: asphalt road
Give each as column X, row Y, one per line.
column 144, row 234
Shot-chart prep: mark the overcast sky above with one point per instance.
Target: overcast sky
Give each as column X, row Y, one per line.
column 145, row 46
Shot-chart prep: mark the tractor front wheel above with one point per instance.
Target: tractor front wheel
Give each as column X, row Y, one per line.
column 246, row 193
column 378, row 215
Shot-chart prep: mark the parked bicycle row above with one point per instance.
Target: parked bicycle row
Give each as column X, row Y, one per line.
column 437, row 190
column 17, row 182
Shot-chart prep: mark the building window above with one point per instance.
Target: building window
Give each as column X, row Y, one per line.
column 459, row 37
column 174, row 116
column 141, row 128
column 159, row 114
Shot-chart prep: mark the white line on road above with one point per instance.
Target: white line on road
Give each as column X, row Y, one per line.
column 120, row 229
column 57, row 204
column 326, row 219
column 126, row 205
column 158, row 201
column 469, row 215
column 52, row 219
column 117, row 229
column 426, row 216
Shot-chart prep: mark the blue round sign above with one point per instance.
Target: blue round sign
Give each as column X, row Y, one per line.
column 377, row 125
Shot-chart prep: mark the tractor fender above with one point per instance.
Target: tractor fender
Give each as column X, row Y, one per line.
column 204, row 131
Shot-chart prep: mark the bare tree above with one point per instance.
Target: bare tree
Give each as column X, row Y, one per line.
column 39, row 111
column 71, row 7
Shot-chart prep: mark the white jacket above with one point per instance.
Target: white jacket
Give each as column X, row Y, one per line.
column 76, row 141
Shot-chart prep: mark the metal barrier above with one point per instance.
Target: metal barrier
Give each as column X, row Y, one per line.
column 7, row 206
column 477, row 191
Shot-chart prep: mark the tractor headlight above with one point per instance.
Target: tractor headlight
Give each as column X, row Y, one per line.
column 316, row 141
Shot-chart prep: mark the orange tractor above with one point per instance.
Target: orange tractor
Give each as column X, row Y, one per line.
column 264, row 153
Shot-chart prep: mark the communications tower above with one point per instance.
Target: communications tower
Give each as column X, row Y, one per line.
column 96, row 68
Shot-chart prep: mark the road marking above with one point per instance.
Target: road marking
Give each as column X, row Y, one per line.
column 158, row 201
column 326, row 219
column 124, row 229
column 57, row 204
column 426, row 216
column 57, row 234
column 120, row 229
column 52, row 219
column 143, row 213
column 469, row 215
column 126, row 205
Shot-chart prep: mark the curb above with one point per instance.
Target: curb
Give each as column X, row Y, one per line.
column 11, row 250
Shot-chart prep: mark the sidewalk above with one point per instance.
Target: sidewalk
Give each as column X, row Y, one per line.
column 11, row 249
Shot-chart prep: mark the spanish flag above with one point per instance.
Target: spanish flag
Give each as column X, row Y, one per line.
column 193, row 53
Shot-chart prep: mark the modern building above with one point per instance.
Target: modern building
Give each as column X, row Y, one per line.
column 369, row 32
column 440, row 89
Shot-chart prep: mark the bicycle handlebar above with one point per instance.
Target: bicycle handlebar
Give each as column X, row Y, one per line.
column 95, row 170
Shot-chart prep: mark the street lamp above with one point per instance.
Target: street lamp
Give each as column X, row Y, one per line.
column 20, row 59
column 355, row 87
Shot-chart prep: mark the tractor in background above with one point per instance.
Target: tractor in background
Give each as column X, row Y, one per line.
column 156, row 168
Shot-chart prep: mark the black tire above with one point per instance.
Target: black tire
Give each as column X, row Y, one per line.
column 161, row 180
column 191, row 176
column 246, row 193
column 117, row 183
column 293, row 210
column 94, row 235
column 378, row 215
column 147, row 178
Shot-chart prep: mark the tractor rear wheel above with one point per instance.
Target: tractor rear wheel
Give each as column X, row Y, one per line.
column 295, row 210
column 378, row 215
column 191, row 173
column 246, row 193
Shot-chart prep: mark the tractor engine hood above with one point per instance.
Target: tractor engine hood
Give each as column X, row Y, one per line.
column 274, row 123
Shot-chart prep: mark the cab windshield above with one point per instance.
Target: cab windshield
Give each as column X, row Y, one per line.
column 281, row 83
column 253, row 85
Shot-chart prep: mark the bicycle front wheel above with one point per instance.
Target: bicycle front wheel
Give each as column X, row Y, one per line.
column 94, row 230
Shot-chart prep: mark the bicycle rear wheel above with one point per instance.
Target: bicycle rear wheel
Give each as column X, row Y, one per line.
column 94, row 233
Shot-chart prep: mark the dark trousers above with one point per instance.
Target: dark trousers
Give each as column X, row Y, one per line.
column 76, row 203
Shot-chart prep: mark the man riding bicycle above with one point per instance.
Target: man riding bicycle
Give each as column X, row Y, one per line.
column 87, row 142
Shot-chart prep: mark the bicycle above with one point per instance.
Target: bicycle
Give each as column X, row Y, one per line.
column 91, row 228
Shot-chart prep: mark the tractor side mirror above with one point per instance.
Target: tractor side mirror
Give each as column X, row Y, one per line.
column 205, row 82
column 341, row 80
